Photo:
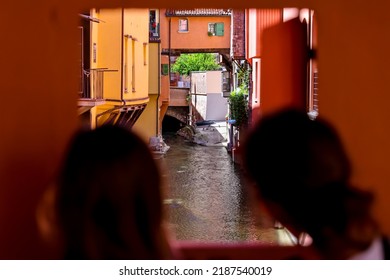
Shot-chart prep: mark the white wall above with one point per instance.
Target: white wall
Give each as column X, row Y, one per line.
column 217, row 107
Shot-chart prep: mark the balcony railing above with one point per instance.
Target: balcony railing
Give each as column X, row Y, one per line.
column 92, row 83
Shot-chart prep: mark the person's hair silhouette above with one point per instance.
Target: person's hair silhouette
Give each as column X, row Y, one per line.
column 302, row 175
column 108, row 200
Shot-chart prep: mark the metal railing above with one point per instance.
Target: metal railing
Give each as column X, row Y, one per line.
column 92, row 83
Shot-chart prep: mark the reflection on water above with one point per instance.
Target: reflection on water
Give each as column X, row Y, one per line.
column 205, row 198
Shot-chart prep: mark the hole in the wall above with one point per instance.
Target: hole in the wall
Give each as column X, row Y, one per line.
column 126, row 56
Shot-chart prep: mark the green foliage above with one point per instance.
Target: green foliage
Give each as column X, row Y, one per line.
column 238, row 106
column 188, row 98
column 186, row 63
column 238, row 102
column 243, row 78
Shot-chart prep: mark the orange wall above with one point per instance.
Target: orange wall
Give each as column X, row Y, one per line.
column 258, row 20
column 38, row 96
column 353, row 59
column 196, row 37
column 283, row 67
column 164, row 82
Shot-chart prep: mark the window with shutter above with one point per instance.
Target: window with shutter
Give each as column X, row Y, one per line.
column 211, row 29
column 183, row 25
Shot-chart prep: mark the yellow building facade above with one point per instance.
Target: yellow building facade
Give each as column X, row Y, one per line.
column 117, row 67
column 122, row 45
column 149, row 123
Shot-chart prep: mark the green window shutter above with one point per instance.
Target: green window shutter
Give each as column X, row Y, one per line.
column 219, row 29
column 164, row 69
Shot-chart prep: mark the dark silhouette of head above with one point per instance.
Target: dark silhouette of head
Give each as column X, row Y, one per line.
column 109, row 199
column 302, row 175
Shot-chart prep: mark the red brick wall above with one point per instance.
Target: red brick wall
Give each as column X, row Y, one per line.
column 238, row 46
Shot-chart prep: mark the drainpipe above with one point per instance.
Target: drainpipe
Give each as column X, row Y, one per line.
column 169, row 56
column 158, row 91
column 310, row 62
column 122, row 55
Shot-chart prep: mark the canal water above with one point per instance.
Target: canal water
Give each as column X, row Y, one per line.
column 206, row 198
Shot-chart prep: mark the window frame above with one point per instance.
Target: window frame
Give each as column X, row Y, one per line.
column 212, row 29
column 133, row 57
column 180, row 30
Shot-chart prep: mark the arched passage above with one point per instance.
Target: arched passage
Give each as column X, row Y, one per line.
column 171, row 124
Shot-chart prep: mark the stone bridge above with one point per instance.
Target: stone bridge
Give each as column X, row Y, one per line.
column 178, row 104
column 178, row 112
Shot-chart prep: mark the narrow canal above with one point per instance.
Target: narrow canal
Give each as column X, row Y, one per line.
column 206, row 198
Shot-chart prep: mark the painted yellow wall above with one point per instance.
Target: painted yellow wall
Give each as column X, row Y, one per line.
column 136, row 24
column 122, row 42
column 40, row 115
column 94, row 36
column 110, row 43
column 146, row 124
column 154, row 68
column 109, row 49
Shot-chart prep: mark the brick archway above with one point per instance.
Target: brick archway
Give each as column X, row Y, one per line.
column 178, row 112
